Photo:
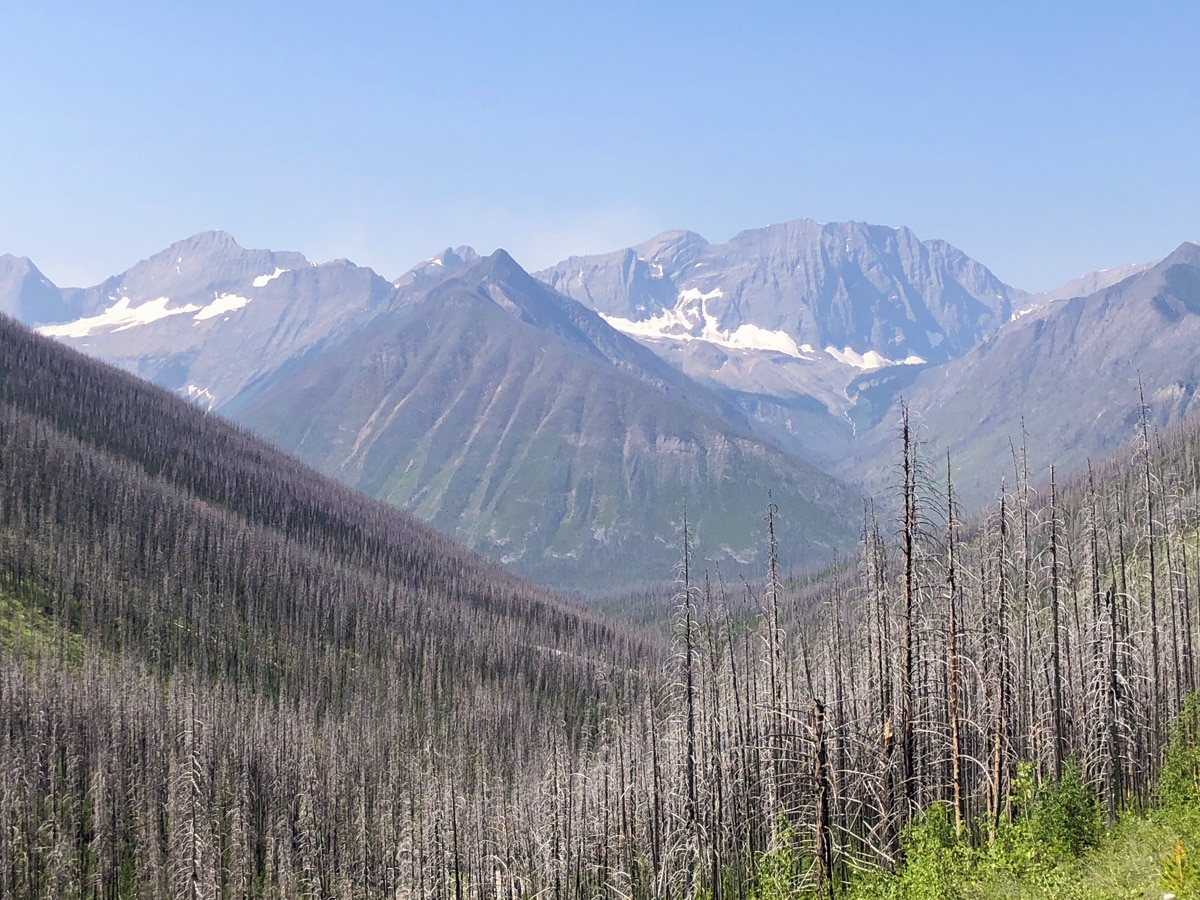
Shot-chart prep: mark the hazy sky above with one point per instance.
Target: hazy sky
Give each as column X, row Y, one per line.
column 1045, row 139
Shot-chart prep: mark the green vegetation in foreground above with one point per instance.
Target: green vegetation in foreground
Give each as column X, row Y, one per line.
column 26, row 626
column 1055, row 847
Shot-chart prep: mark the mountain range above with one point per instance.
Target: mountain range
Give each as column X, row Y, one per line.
column 782, row 319
column 508, row 415
column 562, row 423
column 516, row 420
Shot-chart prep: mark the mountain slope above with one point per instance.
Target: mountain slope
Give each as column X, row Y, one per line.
column 185, row 542
column 518, row 421
column 785, row 317
column 222, row 670
column 1069, row 372
column 205, row 317
column 1091, row 283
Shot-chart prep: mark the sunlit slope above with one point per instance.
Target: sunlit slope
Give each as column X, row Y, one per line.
column 519, row 422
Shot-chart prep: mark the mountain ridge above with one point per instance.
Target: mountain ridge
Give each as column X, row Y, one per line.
column 1040, row 374
column 468, row 392
column 562, row 444
column 710, row 336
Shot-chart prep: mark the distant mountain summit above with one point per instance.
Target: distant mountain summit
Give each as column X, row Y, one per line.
column 192, row 270
column 206, row 317
column 436, row 268
column 869, row 292
column 786, row 317
column 27, row 295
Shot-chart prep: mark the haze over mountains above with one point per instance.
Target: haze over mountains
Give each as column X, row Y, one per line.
column 560, row 424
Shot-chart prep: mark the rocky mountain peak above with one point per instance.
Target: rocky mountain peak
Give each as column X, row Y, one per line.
column 214, row 241
column 429, row 272
column 10, row 264
column 26, row 294
column 1186, row 254
column 194, row 269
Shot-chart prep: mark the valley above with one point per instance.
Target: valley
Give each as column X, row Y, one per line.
column 560, row 424
column 902, row 602
column 224, row 674
column 675, row 451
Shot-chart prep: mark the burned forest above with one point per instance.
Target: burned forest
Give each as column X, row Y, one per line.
column 223, row 675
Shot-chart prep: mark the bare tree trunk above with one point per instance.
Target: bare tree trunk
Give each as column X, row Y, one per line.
column 906, row 649
column 824, row 837
column 1056, row 652
column 1155, row 678
column 952, row 658
column 999, row 731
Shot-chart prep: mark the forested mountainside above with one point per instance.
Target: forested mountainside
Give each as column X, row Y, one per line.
column 468, row 393
column 223, row 676
column 517, row 421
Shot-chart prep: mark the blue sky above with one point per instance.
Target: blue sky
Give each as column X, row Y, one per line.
column 1046, row 140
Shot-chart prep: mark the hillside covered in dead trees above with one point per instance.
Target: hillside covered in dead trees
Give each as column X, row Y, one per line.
column 222, row 675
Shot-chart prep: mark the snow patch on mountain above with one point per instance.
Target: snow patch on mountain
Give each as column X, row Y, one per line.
column 120, row 316
column 751, row 337
column 264, row 280
column 222, row 303
column 692, row 295
column 690, row 320
column 872, row 359
column 201, row 396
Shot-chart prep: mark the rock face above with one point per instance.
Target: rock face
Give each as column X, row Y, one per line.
column 206, row 317
column 860, row 289
column 785, row 317
column 506, row 414
column 1067, row 375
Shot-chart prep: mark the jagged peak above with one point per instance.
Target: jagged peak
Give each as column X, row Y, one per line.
column 207, row 241
column 18, row 265
column 436, row 267
column 501, row 261
column 1186, row 254
column 457, row 256
column 207, row 254
column 675, row 238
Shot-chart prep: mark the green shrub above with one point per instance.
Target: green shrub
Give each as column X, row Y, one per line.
column 780, row 873
column 1067, row 818
column 1178, row 790
column 1179, row 875
column 937, row 865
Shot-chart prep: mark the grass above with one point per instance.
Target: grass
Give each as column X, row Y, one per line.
column 27, row 629
column 1128, row 864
